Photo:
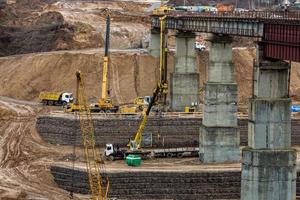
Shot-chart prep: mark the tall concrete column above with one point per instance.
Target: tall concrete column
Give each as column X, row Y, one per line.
column 154, row 43
column 269, row 163
column 185, row 78
column 219, row 137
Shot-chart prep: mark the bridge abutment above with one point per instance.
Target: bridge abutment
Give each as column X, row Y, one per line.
column 219, row 135
column 269, row 163
column 185, row 78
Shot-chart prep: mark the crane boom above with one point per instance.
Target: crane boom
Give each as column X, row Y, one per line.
column 104, row 94
column 97, row 188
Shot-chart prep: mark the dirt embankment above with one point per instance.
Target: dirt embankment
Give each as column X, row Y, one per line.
column 24, row 157
column 40, row 25
column 131, row 73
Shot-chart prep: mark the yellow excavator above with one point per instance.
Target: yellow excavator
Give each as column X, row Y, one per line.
column 160, row 92
column 98, row 186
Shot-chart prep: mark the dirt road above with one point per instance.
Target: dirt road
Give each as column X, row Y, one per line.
column 24, row 157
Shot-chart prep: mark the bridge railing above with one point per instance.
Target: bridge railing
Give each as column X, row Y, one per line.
column 259, row 15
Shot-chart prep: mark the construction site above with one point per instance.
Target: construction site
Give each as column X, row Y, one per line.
column 149, row 99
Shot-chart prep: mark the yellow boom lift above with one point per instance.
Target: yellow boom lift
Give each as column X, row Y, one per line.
column 98, row 187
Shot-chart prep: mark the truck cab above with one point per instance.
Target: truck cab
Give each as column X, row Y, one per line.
column 67, row 97
column 199, row 46
column 142, row 101
column 112, row 154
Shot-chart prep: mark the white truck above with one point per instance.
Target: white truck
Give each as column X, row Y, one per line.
column 199, row 46
column 112, row 153
column 56, row 98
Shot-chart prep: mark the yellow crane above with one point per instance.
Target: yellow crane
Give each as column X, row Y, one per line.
column 98, row 187
column 161, row 90
column 105, row 103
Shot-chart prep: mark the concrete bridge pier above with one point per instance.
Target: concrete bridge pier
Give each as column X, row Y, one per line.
column 154, row 43
column 185, row 78
column 269, row 163
column 219, row 137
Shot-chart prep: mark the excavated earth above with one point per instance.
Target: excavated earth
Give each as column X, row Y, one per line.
column 47, row 25
column 39, row 158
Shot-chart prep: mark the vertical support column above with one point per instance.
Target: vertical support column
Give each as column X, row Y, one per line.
column 219, row 137
column 269, row 163
column 185, row 78
column 154, row 45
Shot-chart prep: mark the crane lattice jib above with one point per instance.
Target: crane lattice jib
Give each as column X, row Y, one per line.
column 97, row 189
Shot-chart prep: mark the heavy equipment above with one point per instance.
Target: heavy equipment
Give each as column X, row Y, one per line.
column 139, row 105
column 163, row 9
column 142, row 101
column 104, row 104
column 56, row 98
column 161, row 89
column 159, row 93
column 98, row 186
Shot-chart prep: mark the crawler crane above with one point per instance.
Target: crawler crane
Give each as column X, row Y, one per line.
column 98, row 187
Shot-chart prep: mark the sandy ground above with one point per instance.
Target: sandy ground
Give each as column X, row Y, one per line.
column 24, row 157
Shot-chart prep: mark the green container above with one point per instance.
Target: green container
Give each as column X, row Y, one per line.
column 133, row 160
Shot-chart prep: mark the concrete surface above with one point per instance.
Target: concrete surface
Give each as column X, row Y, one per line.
column 154, row 43
column 185, row 77
column 219, row 145
column 269, row 164
column 219, row 137
column 268, row 174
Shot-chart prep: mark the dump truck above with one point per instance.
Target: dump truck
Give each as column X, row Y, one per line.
column 56, row 98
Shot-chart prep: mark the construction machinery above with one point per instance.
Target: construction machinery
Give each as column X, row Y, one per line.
column 163, row 9
column 104, row 104
column 98, row 186
column 56, row 98
column 159, row 93
column 142, row 101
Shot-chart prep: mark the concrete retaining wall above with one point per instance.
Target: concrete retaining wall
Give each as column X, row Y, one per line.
column 166, row 131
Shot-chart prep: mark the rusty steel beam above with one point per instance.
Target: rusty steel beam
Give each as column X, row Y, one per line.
column 281, row 41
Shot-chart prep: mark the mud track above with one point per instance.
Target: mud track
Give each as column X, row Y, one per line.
column 24, row 157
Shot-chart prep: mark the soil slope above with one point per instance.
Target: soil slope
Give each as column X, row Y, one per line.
column 48, row 25
column 131, row 73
